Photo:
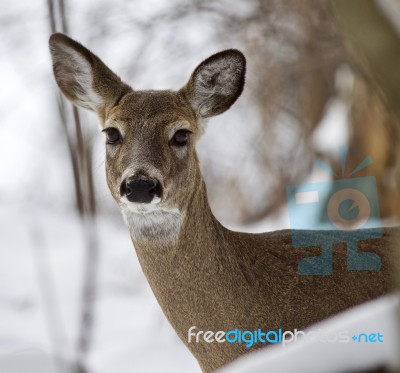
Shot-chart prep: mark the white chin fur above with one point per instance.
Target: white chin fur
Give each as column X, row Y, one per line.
column 151, row 221
column 142, row 208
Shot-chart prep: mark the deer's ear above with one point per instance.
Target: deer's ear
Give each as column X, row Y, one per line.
column 216, row 83
column 83, row 77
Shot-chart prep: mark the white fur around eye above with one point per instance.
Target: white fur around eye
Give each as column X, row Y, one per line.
column 181, row 151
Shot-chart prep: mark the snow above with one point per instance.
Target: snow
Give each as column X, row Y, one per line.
column 130, row 329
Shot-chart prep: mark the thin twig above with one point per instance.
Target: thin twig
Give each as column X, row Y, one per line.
column 89, row 290
column 81, row 161
column 53, row 318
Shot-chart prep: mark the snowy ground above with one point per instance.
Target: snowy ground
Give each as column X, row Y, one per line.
column 131, row 333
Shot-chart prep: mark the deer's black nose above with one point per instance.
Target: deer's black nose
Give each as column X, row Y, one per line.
column 140, row 189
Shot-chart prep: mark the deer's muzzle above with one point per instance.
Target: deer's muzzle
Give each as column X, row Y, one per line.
column 141, row 189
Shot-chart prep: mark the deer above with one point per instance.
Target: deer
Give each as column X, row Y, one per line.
column 202, row 274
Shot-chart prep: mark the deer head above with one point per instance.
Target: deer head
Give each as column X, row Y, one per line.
column 151, row 163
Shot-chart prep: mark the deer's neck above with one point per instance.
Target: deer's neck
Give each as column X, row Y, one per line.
column 189, row 275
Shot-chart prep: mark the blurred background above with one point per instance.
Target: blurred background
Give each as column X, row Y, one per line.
column 321, row 74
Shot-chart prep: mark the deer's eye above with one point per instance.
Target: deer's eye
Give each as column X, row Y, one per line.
column 112, row 135
column 180, row 138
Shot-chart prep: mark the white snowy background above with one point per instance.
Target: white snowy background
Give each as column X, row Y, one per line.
column 41, row 241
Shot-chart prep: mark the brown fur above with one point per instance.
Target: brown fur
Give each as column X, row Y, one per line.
column 208, row 276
